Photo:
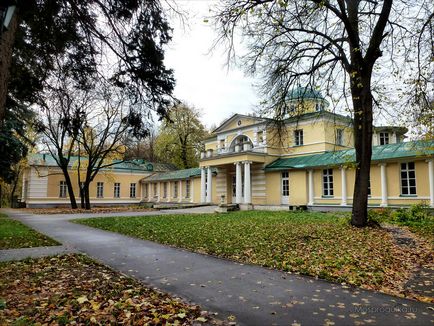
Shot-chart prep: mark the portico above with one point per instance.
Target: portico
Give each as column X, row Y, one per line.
column 234, row 181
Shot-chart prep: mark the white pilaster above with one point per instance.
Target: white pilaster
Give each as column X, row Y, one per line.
column 159, row 192
column 431, row 181
column 238, row 183
column 311, row 189
column 202, row 185
column 344, row 185
column 179, row 190
column 247, row 183
column 209, row 186
column 383, row 185
column 169, row 191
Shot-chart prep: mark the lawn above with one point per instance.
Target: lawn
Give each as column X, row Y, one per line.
column 73, row 289
column 14, row 234
column 317, row 244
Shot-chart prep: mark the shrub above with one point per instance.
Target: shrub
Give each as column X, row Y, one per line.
column 416, row 213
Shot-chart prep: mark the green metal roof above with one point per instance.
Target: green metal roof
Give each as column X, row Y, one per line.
column 176, row 175
column 379, row 153
column 303, row 93
column 132, row 165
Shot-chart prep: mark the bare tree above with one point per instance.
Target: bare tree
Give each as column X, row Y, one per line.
column 325, row 44
column 62, row 109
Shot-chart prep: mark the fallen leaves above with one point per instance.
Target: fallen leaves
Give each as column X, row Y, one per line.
column 72, row 289
column 108, row 209
column 317, row 244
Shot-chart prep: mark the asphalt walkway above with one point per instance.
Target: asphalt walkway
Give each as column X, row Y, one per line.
column 252, row 294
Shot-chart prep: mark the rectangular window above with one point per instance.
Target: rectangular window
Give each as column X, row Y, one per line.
column 369, row 186
column 132, row 190
column 63, row 189
column 408, row 179
column 100, row 189
column 165, row 190
column 298, row 136
column 222, row 143
column 327, row 182
column 384, row 138
column 187, row 189
column 117, row 190
column 339, row 137
column 146, row 190
column 260, row 137
column 155, row 190
column 285, row 184
column 175, row 189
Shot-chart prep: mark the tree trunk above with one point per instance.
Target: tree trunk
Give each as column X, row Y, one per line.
column 70, row 189
column 6, row 49
column 86, row 196
column 363, row 118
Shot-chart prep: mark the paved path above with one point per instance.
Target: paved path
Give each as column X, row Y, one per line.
column 36, row 252
column 255, row 295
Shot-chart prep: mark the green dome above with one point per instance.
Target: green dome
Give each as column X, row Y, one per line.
column 303, row 93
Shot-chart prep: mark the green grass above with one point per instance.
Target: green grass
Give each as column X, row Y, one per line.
column 14, row 234
column 316, row 244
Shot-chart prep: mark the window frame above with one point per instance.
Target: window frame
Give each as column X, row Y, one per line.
column 133, row 190
column 298, row 137
column 63, row 189
column 117, row 190
column 146, row 190
column 340, row 137
column 384, row 138
column 327, row 183
column 175, row 189
column 155, row 190
column 187, row 188
column 284, row 184
column 165, row 189
column 407, row 171
column 100, row 189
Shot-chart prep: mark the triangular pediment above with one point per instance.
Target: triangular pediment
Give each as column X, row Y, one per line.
column 237, row 121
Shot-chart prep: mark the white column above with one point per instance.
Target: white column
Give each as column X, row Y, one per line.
column 209, row 186
column 383, row 185
column 159, row 192
column 247, row 184
column 179, row 190
column 202, row 185
column 344, row 185
column 238, row 183
column 311, row 189
column 431, row 181
column 169, row 191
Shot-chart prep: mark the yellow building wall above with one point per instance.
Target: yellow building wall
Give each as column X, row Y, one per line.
column 273, row 188
column 109, row 178
column 297, row 187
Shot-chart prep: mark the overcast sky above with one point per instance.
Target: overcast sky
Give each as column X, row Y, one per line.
column 202, row 79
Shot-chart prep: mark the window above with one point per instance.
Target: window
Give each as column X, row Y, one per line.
column 384, row 138
column 317, row 107
column 187, row 188
column 340, row 137
column 369, row 186
column 165, row 190
column 292, row 108
column 117, row 190
column 132, row 190
column 100, row 189
column 327, row 182
column 408, row 179
column 175, row 189
column 298, row 135
column 63, row 189
column 155, row 190
column 260, row 136
column 222, row 143
column 146, row 190
column 285, row 184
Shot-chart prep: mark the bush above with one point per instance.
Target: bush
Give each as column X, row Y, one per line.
column 416, row 213
column 379, row 215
